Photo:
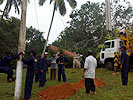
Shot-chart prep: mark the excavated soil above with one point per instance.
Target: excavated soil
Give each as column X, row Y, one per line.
column 65, row 90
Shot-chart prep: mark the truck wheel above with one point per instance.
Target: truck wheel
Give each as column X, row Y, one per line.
column 109, row 65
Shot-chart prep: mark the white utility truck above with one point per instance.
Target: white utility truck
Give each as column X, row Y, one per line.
column 107, row 52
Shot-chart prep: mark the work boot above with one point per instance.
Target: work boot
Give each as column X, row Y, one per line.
column 13, row 79
column 114, row 73
column 8, row 81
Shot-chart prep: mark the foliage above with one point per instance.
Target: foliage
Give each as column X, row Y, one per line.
column 35, row 40
column 8, row 6
column 87, row 26
column 86, row 29
column 9, row 35
column 60, row 4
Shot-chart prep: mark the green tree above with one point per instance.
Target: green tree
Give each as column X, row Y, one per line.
column 87, row 26
column 58, row 4
column 35, row 40
column 9, row 34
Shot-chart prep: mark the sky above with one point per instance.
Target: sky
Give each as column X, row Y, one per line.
column 44, row 15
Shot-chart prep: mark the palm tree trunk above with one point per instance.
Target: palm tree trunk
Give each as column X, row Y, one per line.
column 21, row 47
column 46, row 42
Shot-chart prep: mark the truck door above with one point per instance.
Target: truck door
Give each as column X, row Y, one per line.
column 105, row 52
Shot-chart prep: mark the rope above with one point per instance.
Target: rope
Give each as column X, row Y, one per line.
column 61, row 19
column 36, row 14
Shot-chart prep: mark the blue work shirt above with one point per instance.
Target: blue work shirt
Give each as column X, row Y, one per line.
column 125, row 58
column 61, row 60
column 5, row 61
column 38, row 65
column 32, row 63
column 44, row 64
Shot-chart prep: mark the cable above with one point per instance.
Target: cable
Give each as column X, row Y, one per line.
column 36, row 14
column 61, row 19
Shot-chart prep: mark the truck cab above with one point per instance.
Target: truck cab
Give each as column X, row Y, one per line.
column 107, row 52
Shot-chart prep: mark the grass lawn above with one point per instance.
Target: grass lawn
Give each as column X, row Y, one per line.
column 112, row 91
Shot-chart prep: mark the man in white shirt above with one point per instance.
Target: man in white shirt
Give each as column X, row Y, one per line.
column 89, row 73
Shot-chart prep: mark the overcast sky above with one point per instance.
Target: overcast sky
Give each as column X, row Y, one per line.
column 44, row 14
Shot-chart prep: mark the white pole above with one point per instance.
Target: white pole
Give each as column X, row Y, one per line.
column 108, row 16
column 21, row 47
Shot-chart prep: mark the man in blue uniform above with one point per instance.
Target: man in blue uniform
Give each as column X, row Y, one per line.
column 124, row 65
column 5, row 66
column 43, row 70
column 61, row 61
column 31, row 62
column 37, row 72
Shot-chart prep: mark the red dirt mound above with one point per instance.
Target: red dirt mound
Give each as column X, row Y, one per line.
column 57, row 92
column 65, row 90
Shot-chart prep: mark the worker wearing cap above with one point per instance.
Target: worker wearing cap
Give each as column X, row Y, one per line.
column 31, row 62
column 124, row 65
column 43, row 70
column 61, row 61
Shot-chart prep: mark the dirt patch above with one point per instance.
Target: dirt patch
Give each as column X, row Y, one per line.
column 65, row 90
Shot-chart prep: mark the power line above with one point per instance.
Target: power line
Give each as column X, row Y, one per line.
column 36, row 14
column 61, row 19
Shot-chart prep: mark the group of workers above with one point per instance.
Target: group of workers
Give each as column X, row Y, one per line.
column 39, row 68
column 36, row 67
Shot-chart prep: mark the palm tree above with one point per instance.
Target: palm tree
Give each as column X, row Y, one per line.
column 8, row 6
column 60, row 5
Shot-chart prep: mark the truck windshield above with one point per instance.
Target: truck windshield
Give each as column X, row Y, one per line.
column 106, row 45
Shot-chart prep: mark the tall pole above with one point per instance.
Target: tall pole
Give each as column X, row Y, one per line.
column 21, row 47
column 108, row 16
column 46, row 42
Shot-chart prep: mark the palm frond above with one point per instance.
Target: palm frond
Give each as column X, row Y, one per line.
column 16, row 6
column 59, row 2
column 41, row 2
column 51, row 1
column 62, row 9
column 1, row 2
column 72, row 3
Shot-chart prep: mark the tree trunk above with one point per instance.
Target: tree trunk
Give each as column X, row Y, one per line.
column 21, row 47
column 46, row 42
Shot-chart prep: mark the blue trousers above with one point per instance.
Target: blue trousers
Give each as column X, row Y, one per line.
column 37, row 76
column 8, row 71
column 124, row 76
column 61, row 71
column 28, row 85
column 42, row 79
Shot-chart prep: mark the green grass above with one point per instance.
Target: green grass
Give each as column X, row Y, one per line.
column 112, row 91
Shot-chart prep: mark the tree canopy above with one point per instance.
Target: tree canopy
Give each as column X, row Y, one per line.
column 9, row 35
column 87, row 26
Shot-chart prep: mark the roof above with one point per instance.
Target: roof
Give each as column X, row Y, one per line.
column 68, row 53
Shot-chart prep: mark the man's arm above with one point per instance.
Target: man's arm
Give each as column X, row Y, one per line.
column 14, row 56
column 84, row 72
column 122, row 60
column 86, row 65
column 25, row 61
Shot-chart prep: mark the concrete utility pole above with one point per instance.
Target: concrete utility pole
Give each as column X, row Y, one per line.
column 46, row 42
column 108, row 16
column 21, row 47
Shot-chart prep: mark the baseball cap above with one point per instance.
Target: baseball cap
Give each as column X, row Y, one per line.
column 46, row 53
